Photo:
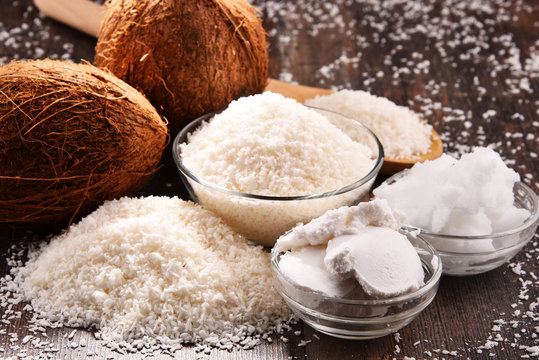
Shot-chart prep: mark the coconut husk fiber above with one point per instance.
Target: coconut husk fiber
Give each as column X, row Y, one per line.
column 71, row 136
column 188, row 57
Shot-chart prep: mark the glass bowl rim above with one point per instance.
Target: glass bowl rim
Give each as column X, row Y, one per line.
column 425, row 288
column 184, row 133
column 530, row 221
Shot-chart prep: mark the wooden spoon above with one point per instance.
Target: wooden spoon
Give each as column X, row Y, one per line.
column 86, row 16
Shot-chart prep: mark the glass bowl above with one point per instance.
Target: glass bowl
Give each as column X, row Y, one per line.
column 470, row 255
column 262, row 219
column 361, row 319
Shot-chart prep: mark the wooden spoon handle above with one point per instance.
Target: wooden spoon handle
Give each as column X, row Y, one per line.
column 298, row 92
column 83, row 15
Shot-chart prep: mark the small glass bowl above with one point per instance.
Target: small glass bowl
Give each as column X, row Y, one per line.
column 361, row 319
column 262, row 219
column 455, row 250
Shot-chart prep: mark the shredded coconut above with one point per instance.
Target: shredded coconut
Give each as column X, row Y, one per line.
column 267, row 144
column 156, row 269
column 270, row 145
column 402, row 133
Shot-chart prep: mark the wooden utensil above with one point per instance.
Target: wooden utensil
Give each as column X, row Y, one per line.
column 86, row 16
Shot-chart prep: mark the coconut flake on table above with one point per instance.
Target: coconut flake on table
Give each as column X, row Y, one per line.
column 358, row 243
column 402, row 133
column 469, row 196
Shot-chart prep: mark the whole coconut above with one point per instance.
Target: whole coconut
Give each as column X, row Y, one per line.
column 71, row 136
column 188, row 57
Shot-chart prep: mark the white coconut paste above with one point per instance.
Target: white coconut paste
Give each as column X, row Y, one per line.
column 470, row 196
column 350, row 247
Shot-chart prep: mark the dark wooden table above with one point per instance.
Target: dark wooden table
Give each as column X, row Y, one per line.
column 471, row 68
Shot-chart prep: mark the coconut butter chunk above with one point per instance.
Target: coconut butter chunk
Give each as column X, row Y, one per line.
column 381, row 260
column 352, row 250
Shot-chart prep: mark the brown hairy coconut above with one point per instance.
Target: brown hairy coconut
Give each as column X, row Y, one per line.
column 71, row 136
column 188, row 57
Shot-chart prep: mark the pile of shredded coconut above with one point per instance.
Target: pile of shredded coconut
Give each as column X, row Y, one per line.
column 402, row 133
column 267, row 144
column 153, row 271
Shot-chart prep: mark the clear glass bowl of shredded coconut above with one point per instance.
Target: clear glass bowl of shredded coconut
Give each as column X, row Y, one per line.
column 475, row 211
column 358, row 315
column 263, row 177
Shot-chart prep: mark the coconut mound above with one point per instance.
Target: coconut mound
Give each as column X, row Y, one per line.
column 188, row 57
column 71, row 136
column 154, row 271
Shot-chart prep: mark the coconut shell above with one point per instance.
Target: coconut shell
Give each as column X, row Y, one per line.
column 71, row 136
column 188, row 57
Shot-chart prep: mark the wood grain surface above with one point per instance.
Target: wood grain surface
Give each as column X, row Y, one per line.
column 469, row 68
